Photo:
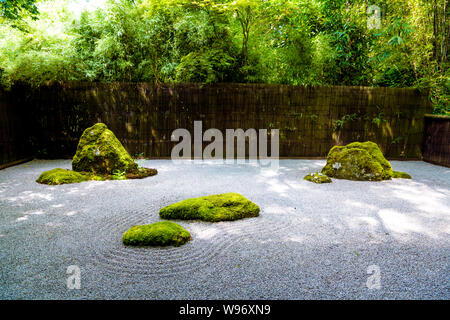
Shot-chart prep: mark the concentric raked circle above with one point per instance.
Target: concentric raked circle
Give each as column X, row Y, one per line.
column 210, row 241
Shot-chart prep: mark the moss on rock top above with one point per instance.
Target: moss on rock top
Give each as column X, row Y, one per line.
column 100, row 151
column 213, row 208
column 164, row 233
column 63, row 176
column 358, row 161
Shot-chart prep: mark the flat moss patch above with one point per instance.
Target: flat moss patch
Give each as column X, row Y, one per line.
column 63, row 176
column 317, row 177
column 99, row 151
column 402, row 175
column 164, row 233
column 358, row 161
column 219, row 207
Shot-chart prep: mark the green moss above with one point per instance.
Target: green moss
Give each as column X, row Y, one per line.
column 61, row 176
column 164, row 233
column 99, row 156
column 220, row 207
column 317, row 177
column 99, row 151
column 374, row 151
column 402, row 175
column 358, row 161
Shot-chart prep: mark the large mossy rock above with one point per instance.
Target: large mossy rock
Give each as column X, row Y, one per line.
column 218, row 207
column 63, row 176
column 100, row 151
column 164, row 233
column 358, row 161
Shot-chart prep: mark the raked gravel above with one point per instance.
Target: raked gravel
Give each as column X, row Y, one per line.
column 309, row 242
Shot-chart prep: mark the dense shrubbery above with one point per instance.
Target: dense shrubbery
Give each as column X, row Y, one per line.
column 280, row 41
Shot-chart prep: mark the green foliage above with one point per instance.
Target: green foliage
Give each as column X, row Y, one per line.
column 62, row 176
column 402, row 175
column 338, row 124
column 397, row 140
column 393, row 62
column 214, row 208
column 164, row 233
column 440, row 93
column 37, row 51
column 207, row 66
column 378, row 119
column 99, row 156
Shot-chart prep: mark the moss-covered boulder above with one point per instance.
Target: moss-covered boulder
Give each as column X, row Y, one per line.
column 63, row 176
column 358, row 161
column 213, row 208
column 317, row 177
column 99, row 156
column 164, row 233
column 100, row 151
column 402, row 175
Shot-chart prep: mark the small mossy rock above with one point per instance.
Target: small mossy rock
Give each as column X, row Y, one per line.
column 164, row 233
column 100, row 151
column 141, row 173
column 317, row 177
column 402, row 175
column 358, row 161
column 61, row 176
column 213, row 208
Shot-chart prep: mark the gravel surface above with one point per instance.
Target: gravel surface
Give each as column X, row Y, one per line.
column 309, row 242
